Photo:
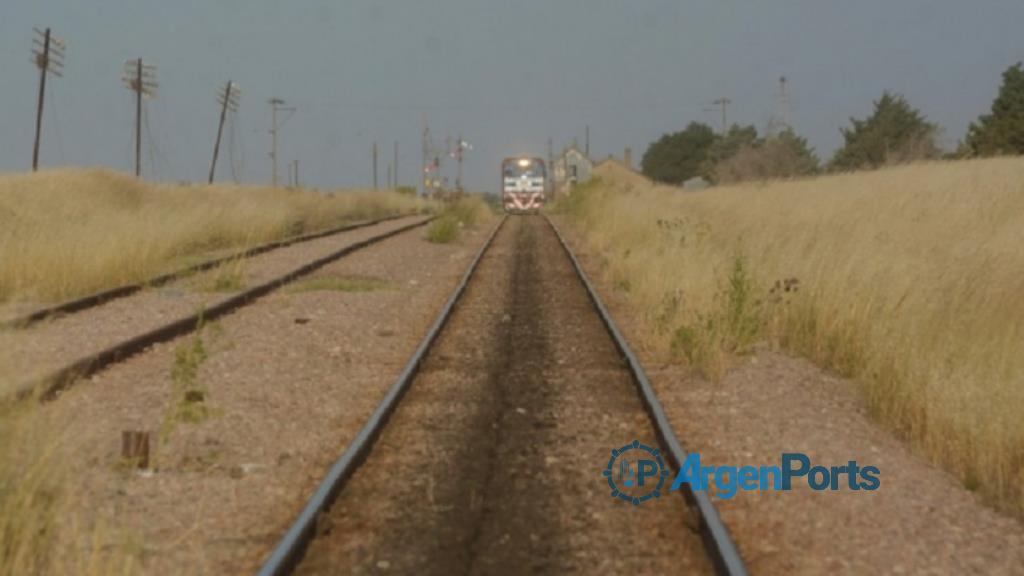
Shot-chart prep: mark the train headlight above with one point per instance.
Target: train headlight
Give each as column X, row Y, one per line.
column 524, row 162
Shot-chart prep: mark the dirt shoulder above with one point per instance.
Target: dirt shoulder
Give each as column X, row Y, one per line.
column 289, row 381
column 919, row 521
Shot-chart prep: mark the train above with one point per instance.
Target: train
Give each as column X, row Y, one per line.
column 523, row 184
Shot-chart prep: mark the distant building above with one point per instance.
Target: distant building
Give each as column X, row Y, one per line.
column 571, row 166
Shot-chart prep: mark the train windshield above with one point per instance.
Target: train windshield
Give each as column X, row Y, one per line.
column 520, row 168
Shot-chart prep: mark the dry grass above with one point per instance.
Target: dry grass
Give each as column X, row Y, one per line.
column 466, row 212
column 35, row 490
column 66, row 233
column 908, row 280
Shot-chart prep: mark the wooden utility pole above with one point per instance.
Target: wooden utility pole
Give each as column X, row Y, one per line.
column 374, row 165
column 141, row 79
column 228, row 99
column 49, row 56
column 586, row 142
column 138, row 120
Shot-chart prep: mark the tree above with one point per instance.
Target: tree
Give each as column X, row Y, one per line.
column 677, row 157
column 1002, row 131
column 784, row 156
column 895, row 133
column 726, row 146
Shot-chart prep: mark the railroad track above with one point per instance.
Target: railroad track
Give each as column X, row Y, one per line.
column 485, row 455
column 99, row 298
column 50, row 385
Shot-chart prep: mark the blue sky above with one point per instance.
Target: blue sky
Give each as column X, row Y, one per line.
column 506, row 74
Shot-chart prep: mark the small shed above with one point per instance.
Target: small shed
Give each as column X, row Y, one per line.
column 570, row 167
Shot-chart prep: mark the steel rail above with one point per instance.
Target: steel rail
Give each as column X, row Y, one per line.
column 95, row 299
column 716, row 537
column 292, row 546
column 58, row 381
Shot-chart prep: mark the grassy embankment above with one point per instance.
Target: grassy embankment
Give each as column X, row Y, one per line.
column 908, row 280
column 465, row 212
column 67, row 233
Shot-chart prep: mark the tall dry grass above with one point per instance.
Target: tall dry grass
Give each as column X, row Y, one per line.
column 909, row 280
column 66, row 233
column 36, row 489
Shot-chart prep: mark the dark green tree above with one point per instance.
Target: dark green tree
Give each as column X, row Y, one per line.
column 895, row 133
column 677, row 157
column 1002, row 131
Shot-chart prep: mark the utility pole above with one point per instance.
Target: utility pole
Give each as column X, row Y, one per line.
column 48, row 55
column 551, row 169
column 228, row 99
column 374, row 165
column 396, row 165
column 389, row 187
column 141, row 79
column 295, row 163
column 586, row 142
column 723, row 103
column 458, row 159
column 276, row 105
column 423, row 164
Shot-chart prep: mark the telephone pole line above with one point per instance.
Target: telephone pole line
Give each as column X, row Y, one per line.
column 48, row 54
column 228, row 99
column 276, row 105
column 141, row 79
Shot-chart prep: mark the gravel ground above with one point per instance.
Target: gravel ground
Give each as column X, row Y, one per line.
column 33, row 353
column 289, row 380
column 492, row 463
column 920, row 520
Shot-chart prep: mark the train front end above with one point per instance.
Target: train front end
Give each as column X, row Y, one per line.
column 523, row 183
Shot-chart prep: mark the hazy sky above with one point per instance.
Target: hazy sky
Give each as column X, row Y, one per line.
column 507, row 74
